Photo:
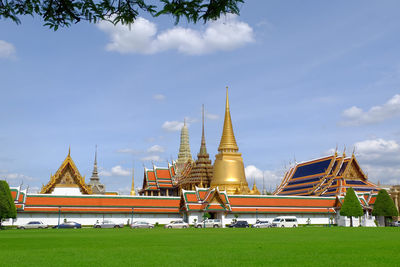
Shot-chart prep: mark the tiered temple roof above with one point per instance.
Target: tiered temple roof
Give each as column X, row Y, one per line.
column 159, row 181
column 94, row 183
column 327, row 176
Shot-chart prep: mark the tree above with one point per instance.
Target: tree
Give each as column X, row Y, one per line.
column 351, row 206
column 384, row 205
column 7, row 206
column 61, row 13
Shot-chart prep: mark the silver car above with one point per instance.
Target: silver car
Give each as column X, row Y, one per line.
column 177, row 224
column 33, row 225
column 108, row 224
column 262, row 224
column 142, row 225
column 209, row 223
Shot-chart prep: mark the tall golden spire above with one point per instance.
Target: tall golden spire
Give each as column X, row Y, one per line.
column 228, row 141
column 228, row 168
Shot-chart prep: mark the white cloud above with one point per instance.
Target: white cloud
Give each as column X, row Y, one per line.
column 141, row 37
column 156, row 149
column 271, row 178
column 356, row 116
column 211, row 116
column 128, row 151
column 151, row 158
column 4, row 174
column 7, row 50
column 172, row 126
column 116, row 171
column 159, row 97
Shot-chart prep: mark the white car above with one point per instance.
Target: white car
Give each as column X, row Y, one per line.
column 108, row 224
column 285, row 221
column 177, row 224
column 209, row 223
column 142, row 225
column 262, row 224
column 396, row 224
column 33, row 225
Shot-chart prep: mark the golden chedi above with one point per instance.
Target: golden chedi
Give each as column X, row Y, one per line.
column 228, row 166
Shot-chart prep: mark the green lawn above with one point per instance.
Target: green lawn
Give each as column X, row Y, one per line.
column 334, row 246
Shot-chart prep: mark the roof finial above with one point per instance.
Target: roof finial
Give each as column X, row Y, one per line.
column 336, row 150
column 184, row 121
column 69, row 151
column 344, row 151
column 354, row 151
column 95, row 156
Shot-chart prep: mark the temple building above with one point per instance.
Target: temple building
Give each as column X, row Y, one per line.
column 159, row 181
column 327, row 176
column 228, row 169
column 94, row 183
column 67, row 180
column 201, row 171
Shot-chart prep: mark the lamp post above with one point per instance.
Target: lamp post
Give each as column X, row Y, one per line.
column 132, row 216
column 59, row 215
column 256, row 215
column 329, row 219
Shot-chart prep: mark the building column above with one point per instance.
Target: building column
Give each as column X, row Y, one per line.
column 167, row 193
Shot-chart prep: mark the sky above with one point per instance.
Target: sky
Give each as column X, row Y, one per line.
column 304, row 77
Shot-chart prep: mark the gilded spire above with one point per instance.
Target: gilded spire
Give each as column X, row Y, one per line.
column 228, row 141
column 69, row 151
column 133, row 193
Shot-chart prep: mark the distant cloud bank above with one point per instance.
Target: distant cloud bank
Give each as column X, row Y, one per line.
column 7, row 50
column 141, row 37
column 355, row 116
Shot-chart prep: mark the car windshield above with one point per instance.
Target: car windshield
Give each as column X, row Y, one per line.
column 276, row 220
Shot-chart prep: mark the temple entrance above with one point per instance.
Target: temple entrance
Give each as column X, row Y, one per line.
column 213, row 215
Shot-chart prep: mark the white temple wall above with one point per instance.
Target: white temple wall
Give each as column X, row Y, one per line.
column 90, row 219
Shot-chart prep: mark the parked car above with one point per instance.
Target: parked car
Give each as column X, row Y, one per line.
column 33, row 225
column 209, row 223
column 239, row 224
column 142, row 225
column 262, row 224
column 396, row 224
column 108, row 224
column 285, row 221
column 73, row 225
column 177, row 224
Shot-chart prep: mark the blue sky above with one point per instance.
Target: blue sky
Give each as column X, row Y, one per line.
column 303, row 78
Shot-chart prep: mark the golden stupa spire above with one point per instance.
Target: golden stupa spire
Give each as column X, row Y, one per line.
column 69, row 151
column 228, row 141
column 133, row 193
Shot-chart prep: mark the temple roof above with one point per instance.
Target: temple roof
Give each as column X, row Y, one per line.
column 67, row 176
column 159, row 177
column 327, row 176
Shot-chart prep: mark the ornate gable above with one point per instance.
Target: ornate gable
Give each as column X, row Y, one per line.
column 67, row 176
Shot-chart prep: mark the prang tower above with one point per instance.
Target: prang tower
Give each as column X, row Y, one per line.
column 228, row 166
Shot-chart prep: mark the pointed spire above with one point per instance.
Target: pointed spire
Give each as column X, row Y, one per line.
column 228, row 141
column 184, row 148
column 95, row 174
column 69, row 151
column 203, row 149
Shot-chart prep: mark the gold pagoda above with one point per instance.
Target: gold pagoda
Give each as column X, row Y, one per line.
column 229, row 172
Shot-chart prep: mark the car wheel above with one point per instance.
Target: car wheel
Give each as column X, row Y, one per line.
column 97, row 226
column 198, row 226
column 184, row 226
column 23, row 228
column 294, row 226
column 75, row 227
column 151, row 227
column 216, row 226
column 40, row 227
column 117, row 226
column 247, row 226
column 169, row 227
column 282, row 226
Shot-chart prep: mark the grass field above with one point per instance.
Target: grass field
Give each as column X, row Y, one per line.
column 309, row 246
